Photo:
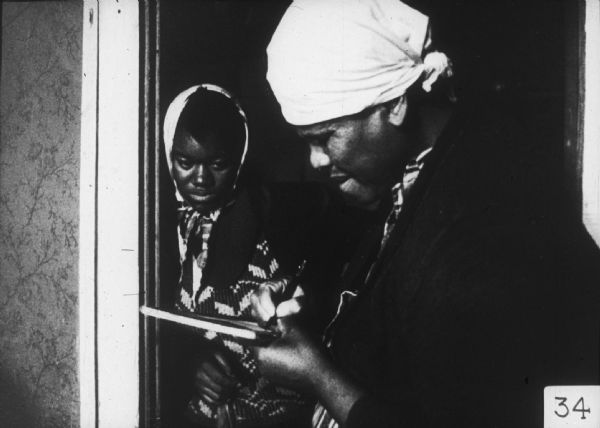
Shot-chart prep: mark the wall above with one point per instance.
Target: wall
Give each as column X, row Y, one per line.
column 40, row 96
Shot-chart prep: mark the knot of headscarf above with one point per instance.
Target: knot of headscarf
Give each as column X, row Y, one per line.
column 194, row 233
column 333, row 58
column 435, row 65
column 195, row 228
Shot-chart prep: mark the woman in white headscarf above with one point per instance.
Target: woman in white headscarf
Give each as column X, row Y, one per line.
column 469, row 301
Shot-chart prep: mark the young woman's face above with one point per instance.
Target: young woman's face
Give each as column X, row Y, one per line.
column 204, row 170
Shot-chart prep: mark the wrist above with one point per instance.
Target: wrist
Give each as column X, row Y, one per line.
column 321, row 375
column 335, row 390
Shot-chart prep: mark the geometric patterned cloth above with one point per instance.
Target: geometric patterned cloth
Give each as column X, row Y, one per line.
column 257, row 401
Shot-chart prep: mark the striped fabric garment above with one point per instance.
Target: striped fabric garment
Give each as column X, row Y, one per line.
column 401, row 190
column 194, row 232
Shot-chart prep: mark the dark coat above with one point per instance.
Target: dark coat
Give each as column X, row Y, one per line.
column 483, row 296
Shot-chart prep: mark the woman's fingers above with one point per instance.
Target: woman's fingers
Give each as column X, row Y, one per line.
column 214, row 377
column 213, row 390
column 265, row 298
column 290, row 307
column 209, row 396
column 266, row 301
column 224, row 364
column 205, row 380
column 298, row 292
column 219, row 378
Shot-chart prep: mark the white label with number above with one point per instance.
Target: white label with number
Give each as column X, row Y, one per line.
column 572, row 406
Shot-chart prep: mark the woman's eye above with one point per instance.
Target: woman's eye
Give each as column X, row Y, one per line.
column 220, row 164
column 321, row 140
column 184, row 163
column 320, row 143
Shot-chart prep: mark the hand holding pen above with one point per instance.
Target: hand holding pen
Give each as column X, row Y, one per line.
column 278, row 298
column 284, row 291
column 292, row 359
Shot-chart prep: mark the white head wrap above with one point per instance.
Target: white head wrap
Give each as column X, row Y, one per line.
column 332, row 58
column 172, row 118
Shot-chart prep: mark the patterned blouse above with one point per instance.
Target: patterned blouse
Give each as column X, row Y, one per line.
column 257, row 401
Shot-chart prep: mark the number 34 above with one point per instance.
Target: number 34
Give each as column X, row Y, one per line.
column 563, row 411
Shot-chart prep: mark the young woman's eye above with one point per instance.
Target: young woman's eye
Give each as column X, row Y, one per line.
column 183, row 163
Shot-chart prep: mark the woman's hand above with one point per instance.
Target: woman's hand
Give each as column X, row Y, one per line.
column 214, row 379
column 267, row 300
column 291, row 359
column 294, row 359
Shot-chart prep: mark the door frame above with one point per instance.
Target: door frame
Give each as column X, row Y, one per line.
column 109, row 257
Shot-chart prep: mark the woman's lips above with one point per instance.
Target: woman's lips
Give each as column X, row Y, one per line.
column 201, row 196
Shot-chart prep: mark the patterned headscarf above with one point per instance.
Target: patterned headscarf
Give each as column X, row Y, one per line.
column 333, row 58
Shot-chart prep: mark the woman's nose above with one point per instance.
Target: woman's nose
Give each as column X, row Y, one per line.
column 318, row 157
column 202, row 176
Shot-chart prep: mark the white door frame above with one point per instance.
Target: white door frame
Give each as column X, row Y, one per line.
column 109, row 285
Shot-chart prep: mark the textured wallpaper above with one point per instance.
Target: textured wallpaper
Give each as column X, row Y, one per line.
column 40, row 91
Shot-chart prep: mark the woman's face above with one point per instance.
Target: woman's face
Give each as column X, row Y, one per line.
column 204, row 169
column 362, row 154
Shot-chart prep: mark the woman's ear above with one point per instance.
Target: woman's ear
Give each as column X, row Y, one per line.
column 397, row 111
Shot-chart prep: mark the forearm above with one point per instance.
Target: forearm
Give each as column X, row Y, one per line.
column 335, row 390
column 352, row 406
